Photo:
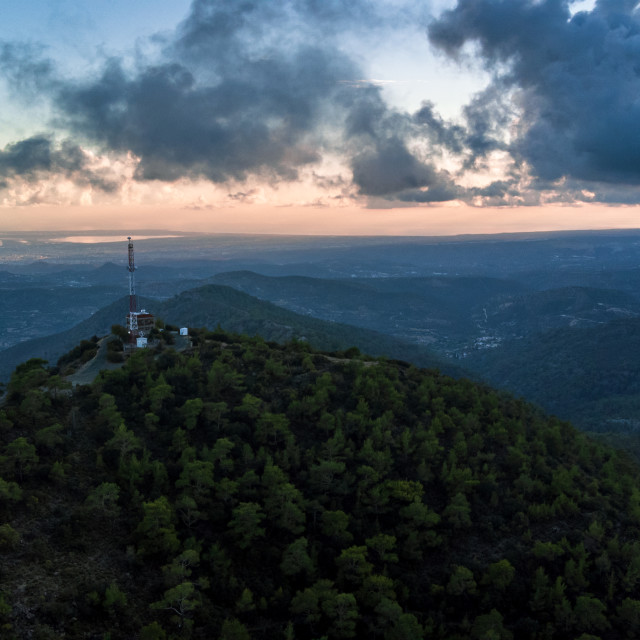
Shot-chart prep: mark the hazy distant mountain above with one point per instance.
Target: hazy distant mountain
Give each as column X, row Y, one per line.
column 438, row 311
column 33, row 311
column 539, row 311
column 236, row 311
column 606, row 276
column 451, row 314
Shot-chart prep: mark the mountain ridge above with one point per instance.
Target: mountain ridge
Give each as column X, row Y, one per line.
column 222, row 305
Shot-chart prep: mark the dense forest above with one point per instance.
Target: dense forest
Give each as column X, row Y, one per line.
column 243, row 489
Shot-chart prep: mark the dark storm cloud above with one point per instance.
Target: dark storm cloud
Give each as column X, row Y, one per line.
column 266, row 89
column 179, row 129
column 285, row 56
column 227, row 104
column 577, row 82
column 390, row 170
column 38, row 157
column 442, row 133
column 377, row 141
column 441, row 191
column 241, row 89
column 487, row 116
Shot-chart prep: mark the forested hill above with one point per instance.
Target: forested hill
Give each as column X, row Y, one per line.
column 243, row 489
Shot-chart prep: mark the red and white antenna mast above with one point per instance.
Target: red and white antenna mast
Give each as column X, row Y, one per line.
column 133, row 303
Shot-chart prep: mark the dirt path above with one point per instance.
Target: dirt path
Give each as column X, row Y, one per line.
column 88, row 372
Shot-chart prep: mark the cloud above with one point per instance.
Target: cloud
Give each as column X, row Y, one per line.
column 39, row 158
column 440, row 132
column 240, row 90
column 245, row 93
column 29, row 73
column 180, row 128
column 574, row 82
column 244, row 196
column 389, row 169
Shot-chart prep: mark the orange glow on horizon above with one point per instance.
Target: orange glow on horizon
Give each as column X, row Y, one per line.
column 345, row 220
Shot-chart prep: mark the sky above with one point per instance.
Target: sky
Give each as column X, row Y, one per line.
column 400, row 117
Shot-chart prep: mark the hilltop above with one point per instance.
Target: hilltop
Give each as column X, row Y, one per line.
column 245, row 489
column 212, row 305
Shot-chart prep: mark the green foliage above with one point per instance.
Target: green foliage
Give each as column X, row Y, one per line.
column 353, row 565
column 156, row 529
column 490, row 627
column 21, row 456
column 86, row 350
column 629, row 614
column 9, row 491
column 120, row 332
column 233, row 629
column 9, row 537
column 57, row 473
column 32, row 374
column 295, row 558
column 103, row 500
column 180, row 600
column 246, row 490
column 115, row 349
column 49, row 436
column 5, row 423
column 458, row 512
column 114, row 598
column 181, row 567
column 590, row 614
column 153, row 631
column 461, row 581
column 244, row 524
column 124, row 441
column 5, row 607
column 335, row 525
column 499, row 575
column 191, row 410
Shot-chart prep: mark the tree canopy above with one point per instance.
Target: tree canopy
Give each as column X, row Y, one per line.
column 243, row 489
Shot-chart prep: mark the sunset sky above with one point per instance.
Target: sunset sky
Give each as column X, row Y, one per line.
column 320, row 116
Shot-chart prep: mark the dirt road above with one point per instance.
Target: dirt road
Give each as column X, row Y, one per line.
column 88, row 372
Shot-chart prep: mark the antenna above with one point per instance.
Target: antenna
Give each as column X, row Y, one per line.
column 133, row 303
column 139, row 323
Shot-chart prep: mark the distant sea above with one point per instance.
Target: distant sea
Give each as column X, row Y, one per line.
column 118, row 238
